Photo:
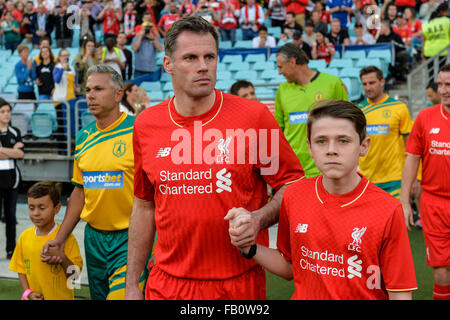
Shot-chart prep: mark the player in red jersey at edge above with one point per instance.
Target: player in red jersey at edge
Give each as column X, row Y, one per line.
column 197, row 156
column 339, row 235
column 429, row 141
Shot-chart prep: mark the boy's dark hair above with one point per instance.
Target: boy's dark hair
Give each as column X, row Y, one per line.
column 338, row 109
column 370, row 69
column 238, row 85
column 195, row 24
column 290, row 50
column 3, row 102
column 433, row 86
column 445, row 68
column 42, row 188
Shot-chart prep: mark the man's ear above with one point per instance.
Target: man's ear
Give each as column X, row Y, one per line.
column 168, row 64
column 364, row 146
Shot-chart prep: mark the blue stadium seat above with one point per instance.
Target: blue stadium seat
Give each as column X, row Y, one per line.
column 333, row 71
column 221, row 67
column 274, row 31
column 166, row 77
column 341, row 63
column 86, row 118
column 255, row 58
column 224, row 75
column 384, row 54
column 243, row 44
column 224, row 85
column 232, row 58
column 373, row 62
column 151, row 85
column 237, row 66
column 168, row 87
column 267, row 65
column 49, row 109
column 41, row 125
column 157, row 95
column 355, row 55
column 248, row 75
column 353, row 88
column 349, row 73
column 225, row 45
column 317, row 64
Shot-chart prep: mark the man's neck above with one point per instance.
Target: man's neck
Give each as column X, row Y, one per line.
column 304, row 75
column 107, row 120
column 343, row 185
column 188, row 106
column 378, row 98
column 3, row 127
column 446, row 108
column 120, row 46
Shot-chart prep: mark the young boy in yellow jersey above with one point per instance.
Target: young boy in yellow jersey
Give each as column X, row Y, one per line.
column 39, row 280
column 388, row 126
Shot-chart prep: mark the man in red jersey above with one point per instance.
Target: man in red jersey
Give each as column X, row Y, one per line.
column 339, row 235
column 429, row 141
column 197, row 156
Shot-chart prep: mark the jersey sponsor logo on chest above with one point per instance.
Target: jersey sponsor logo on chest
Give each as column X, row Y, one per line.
column 103, row 179
column 212, row 146
column 377, row 129
column 298, row 117
column 440, row 148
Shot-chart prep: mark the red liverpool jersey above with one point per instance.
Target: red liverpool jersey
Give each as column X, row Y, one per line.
column 349, row 246
column 197, row 168
column 430, row 139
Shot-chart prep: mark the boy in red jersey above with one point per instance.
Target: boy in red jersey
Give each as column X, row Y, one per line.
column 198, row 155
column 430, row 142
column 339, row 235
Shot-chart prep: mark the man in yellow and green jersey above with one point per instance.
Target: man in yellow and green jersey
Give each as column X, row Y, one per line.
column 388, row 126
column 294, row 98
column 103, row 176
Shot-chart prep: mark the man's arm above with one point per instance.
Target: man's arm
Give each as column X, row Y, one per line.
column 141, row 234
column 245, row 230
column 73, row 213
column 409, row 176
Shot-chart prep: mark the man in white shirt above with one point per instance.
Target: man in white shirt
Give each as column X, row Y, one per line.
column 263, row 40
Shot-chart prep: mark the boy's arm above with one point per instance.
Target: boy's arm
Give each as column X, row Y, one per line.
column 400, row 295
column 24, row 282
column 273, row 261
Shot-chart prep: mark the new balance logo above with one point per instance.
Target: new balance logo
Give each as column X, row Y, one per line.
column 163, row 152
column 301, row 228
column 354, row 267
column 435, row 130
column 223, row 181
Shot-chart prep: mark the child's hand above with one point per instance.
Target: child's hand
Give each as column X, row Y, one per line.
column 35, row 296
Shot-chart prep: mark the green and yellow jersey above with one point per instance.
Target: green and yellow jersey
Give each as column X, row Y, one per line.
column 388, row 121
column 104, row 168
column 292, row 105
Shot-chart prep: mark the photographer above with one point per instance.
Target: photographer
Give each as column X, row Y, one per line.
column 205, row 11
column 144, row 46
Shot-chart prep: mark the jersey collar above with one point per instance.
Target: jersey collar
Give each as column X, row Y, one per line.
column 386, row 96
column 342, row 200
column 444, row 113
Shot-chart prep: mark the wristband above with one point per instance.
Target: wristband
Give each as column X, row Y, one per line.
column 26, row 293
column 251, row 253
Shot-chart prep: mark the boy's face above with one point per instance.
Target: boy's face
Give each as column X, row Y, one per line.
column 5, row 114
column 334, row 145
column 42, row 211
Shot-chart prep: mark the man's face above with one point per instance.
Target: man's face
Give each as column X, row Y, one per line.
column 400, row 21
column 443, row 80
column 247, row 93
column 335, row 147
column 335, row 26
column 392, row 11
column 250, row 2
column 433, row 96
column 173, row 7
column 263, row 34
column 24, row 54
column 194, row 64
column 290, row 18
column 373, row 87
column 5, row 114
column 359, row 31
column 121, row 39
column 286, row 67
column 102, row 98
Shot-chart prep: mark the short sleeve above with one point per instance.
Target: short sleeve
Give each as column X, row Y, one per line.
column 397, row 267
column 415, row 144
column 143, row 189
column 77, row 178
column 283, row 236
column 17, row 264
column 405, row 121
column 72, row 251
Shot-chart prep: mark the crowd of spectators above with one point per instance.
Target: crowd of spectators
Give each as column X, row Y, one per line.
column 318, row 26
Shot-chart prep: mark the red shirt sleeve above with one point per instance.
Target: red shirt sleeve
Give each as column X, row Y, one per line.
column 283, row 236
column 143, row 189
column 415, row 144
column 397, row 266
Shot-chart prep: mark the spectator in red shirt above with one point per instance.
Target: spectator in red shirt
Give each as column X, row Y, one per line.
column 299, row 8
column 168, row 19
column 402, row 29
column 228, row 19
column 415, row 25
column 322, row 48
column 111, row 18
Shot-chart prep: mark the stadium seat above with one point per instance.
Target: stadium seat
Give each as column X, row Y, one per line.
column 384, row 54
column 332, row 71
column 157, row 95
column 224, row 85
column 317, row 64
column 168, row 86
column 341, row 63
column 355, row 55
column 48, row 108
column 20, row 121
column 266, row 65
column 238, row 66
column 166, row 77
column 248, row 75
column 243, row 44
column 86, row 118
column 353, row 88
column 349, row 73
column 41, row 125
column 151, row 85
column 255, row 58
column 373, row 62
column 225, row 45
column 232, row 58
column 224, row 75
column 274, row 31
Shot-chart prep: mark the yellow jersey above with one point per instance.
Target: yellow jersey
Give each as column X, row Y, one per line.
column 388, row 121
column 48, row 280
column 104, row 168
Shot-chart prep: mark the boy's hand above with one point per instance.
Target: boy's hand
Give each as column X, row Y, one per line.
column 35, row 296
